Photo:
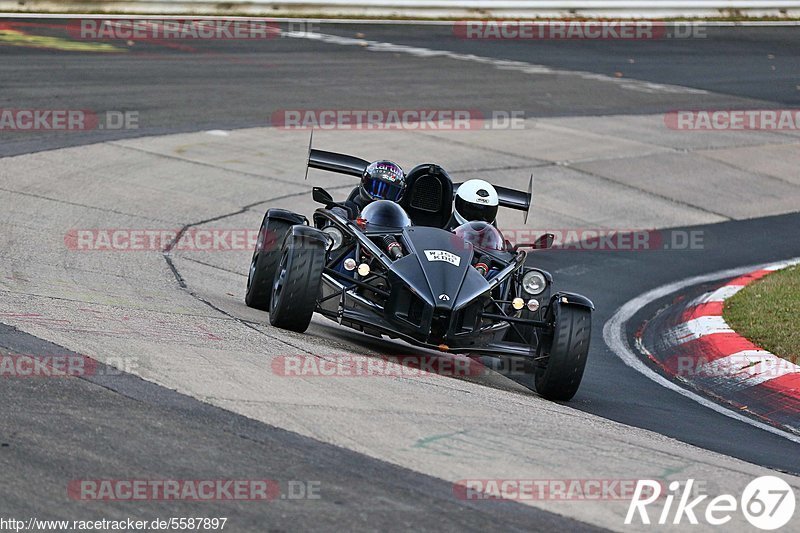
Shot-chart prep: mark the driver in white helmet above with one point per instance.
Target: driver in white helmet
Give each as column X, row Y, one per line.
column 475, row 201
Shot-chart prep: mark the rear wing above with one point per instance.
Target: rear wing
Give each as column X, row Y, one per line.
column 333, row 162
column 355, row 166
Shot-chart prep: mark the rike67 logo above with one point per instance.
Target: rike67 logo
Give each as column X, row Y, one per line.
column 767, row 503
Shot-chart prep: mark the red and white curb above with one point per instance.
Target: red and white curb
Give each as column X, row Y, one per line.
column 726, row 354
column 616, row 337
column 696, row 346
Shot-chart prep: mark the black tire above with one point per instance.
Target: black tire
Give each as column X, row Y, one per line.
column 558, row 376
column 264, row 263
column 296, row 287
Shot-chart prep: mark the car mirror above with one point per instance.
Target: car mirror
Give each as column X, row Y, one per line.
column 321, row 196
column 541, row 243
column 544, row 241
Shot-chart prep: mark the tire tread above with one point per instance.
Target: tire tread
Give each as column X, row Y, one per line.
column 301, row 287
column 560, row 378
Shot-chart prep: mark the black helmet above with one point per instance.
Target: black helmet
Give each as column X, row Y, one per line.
column 383, row 215
column 382, row 180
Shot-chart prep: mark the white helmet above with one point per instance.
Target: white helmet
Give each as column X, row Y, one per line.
column 476, row 200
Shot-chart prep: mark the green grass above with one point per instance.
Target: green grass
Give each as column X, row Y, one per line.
column 767, row 312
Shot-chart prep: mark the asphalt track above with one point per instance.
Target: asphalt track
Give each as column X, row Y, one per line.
column 127, row 425
column 235, row 84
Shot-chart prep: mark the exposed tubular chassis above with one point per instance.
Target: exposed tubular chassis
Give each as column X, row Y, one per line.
column 428, row 291
column 369, row 314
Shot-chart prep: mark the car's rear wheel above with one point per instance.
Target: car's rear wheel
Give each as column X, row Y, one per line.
column 562, row 359
column 297, row 282
column 264, row 263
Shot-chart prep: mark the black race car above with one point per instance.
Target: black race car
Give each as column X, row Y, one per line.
column 391, row 270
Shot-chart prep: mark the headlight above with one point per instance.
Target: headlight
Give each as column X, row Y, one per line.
column 534, row 283
column 336, row 236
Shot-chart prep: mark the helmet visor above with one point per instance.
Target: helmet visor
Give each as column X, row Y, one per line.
column 379, row 189
column 475, row 212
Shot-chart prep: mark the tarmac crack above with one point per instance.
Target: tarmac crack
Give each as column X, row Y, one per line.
column 538, row 162
column 76, row 204
column 758, row 174
column 216, row 267
column 260, row 177
column 508, row 167
column 651, row 193
column 166, row 253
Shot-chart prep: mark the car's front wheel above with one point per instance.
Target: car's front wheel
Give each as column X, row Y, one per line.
column 297, row 282
column 562, row 359
column 265, row 262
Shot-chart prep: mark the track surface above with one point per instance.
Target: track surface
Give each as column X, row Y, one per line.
column 66, row 426
column 145, row 428
column 644, row 403
column 206, row 85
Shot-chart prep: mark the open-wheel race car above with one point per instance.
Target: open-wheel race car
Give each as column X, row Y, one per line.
column 390, row 269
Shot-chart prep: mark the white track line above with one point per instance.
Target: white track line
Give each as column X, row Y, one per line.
column 500, row 64
column 377, row 46
column 386, row 22
column 616, row 339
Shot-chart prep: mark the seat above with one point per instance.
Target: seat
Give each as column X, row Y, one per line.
column 429, row 196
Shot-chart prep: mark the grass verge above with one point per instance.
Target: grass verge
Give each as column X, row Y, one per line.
column 767, row 312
